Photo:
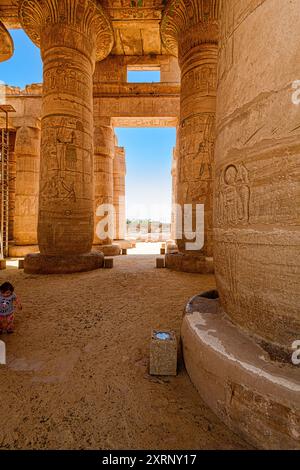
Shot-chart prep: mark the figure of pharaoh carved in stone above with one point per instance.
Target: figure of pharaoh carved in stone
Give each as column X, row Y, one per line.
column 234, row 196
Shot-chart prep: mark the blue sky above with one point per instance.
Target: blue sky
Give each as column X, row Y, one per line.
column 148, row 151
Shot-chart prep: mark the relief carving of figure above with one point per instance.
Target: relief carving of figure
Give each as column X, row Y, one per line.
column 206, row 150
column 234, row 196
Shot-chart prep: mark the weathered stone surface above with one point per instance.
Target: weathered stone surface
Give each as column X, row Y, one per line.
column 108, row 250
column 160, row 263
column 119, row 169
column 108, row 263
column 6, row 44
column 256, row 397
column 163, row 354
column 71, row 36
column 38, row 263
column 194, row 37
column 27, row 154
column 20, row 251
column 20, row 264
column 257, row 166
column 2, row 264
column 104, row 141
column 188, row 263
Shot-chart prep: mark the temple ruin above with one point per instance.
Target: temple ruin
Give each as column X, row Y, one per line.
column 227, row 73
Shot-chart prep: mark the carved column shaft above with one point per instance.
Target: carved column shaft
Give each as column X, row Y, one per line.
column 66, row 196
column 27, row 153
column 190, row 30
column 174, row 192
column 197, row 135
column 104, row 139
column 119, row 193
column 72, row 35
column 256, row 213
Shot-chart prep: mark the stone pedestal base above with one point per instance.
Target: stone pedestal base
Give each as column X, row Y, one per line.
column 108, row 250
column 2, row 264
column 163, row 353
column 42, row 264
column 256, row 397
column 189, row 264
column 127, row 244
column 172, row 248
column 160, row 263
column 21, row 251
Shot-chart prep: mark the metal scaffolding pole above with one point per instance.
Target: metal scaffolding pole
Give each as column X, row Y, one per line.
column 4, row 162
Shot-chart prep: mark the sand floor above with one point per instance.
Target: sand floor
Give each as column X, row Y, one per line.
column 77, row 365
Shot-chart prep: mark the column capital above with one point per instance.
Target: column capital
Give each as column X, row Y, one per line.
column 86, row 17
column 7, row 45
column 189, row 23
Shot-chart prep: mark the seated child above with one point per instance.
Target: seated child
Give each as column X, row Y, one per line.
column 8, row 302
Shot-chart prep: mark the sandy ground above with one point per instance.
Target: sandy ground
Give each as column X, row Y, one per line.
column 77, row 371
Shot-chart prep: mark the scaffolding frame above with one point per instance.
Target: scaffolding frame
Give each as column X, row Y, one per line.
column 4, row 175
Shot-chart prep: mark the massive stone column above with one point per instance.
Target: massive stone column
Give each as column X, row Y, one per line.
column 27, row 153
column 104, row 139
column 119, row 193
column 174, row 193
column 190, row 30
column 72, row 36
column 240, row 349
column 257, row 163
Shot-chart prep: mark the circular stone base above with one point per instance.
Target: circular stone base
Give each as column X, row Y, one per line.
column 42, row 264
column 21, row 251
column 172, row 248
column 189, row 264
column 257, row 398
column 127, row 244
column 108, row 250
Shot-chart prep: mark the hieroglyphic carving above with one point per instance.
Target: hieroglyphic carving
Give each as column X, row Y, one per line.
column 134, row 9
column 64, row 76
column 233, row 196
column 196, row 137
column 201, row 80
column 71, row 36
column 27, row 151
column 144, row 122
column 103, row 170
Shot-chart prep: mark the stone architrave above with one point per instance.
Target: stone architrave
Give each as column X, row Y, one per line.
column 72, row 36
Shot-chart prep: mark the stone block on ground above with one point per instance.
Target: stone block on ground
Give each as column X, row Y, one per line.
column 160, row 263
column 108, row 263
column 163, row 353
column 2, row 264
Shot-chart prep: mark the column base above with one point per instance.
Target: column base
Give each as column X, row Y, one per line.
column 43, row 264
column 189, row 264
column 108, row 250
column 256, row 397
column 127, row 244
column 19, row 251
